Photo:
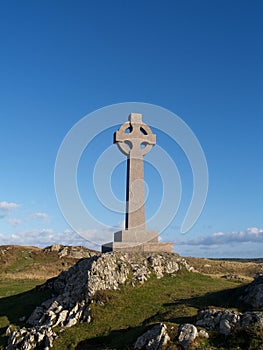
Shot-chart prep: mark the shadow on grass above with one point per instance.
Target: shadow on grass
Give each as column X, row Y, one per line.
column 178, row 312
column 17, row 306
column 175, row 312
column 3, row 337
column 22, row 305
column 116, row 339
column 227, row 298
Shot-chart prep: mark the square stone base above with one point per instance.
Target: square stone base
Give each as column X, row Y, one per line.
column 136, row 236
column 135, row 240
column 138, row 247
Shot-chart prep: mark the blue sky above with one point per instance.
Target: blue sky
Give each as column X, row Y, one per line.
column 202, row 60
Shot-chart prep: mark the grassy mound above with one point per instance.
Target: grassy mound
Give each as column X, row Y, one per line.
column 119, row 317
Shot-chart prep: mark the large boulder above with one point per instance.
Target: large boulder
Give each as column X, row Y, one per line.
column 153, row 339
column 187, row 334
column 253, row 294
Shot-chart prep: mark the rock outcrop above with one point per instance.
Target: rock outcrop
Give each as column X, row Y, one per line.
column 27, row 339
column 73, row 290
column 225, row 321
column 75, row 252
column 253, row 294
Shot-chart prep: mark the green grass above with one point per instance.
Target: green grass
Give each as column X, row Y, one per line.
column 129, row 312
column 24, row 260
column 10, row 287
column 18, row 299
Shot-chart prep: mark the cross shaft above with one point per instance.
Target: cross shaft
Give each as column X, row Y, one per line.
column 135, row 139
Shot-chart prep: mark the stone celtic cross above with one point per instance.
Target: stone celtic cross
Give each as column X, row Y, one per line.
column 135, row 139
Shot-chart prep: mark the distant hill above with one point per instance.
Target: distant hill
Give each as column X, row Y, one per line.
column 31, row 262
column 28, row 262
column 255, row 260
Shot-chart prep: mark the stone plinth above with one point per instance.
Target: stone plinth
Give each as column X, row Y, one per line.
column 136, row 236
column 135, row 247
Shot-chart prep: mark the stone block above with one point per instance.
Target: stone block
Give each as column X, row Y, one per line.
column 135, row 247
column 137, row 236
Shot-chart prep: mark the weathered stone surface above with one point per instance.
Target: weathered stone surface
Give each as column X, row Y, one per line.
column 138, row 247
column 75, row 252
column 225, row 321
column 202, row 333
column 225, row 326
column 159, row 267
column 36, row 315
column 76, row 288
column 8, row 330
column 253, row 294
column 251, row 318
column 154, row 339
column 27, row 339
column 187, row 334
column 139, row 135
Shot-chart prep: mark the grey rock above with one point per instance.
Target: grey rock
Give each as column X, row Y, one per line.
column 253, row 294
column 70, row 251
column 225, row 321
column 55, row 247
column 75, row 288
column 187, row 334
column 154, row 339
column 61, row 318
column 8, row 330
column 251, row 318
column 39, row 336
column 202, row 333
column 225, row 327
column 171, row 267
column 30, row 338
column 36, row 316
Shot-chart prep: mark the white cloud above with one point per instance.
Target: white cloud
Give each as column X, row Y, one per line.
column 40, row 216
column 255, row 230
column 252, row 234
column 98, row 237
column 45, row 237
column 120, row 226
column 218, row 234
column 6, row 207
column 103, row 235
column 15, row 222
column 18, row 221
